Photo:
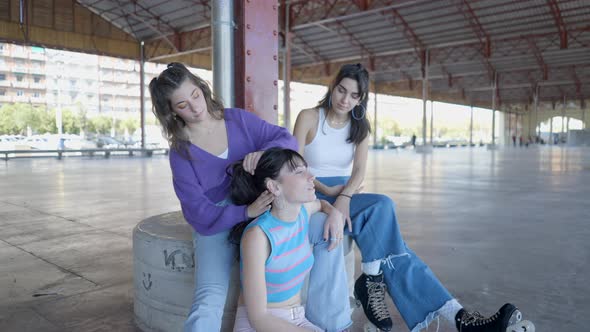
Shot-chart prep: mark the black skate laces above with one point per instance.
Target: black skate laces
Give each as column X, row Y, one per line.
column 376, row 292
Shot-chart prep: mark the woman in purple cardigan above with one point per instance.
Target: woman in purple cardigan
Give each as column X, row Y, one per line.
column 205, row 138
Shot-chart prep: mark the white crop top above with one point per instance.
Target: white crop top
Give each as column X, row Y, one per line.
column 329, row 154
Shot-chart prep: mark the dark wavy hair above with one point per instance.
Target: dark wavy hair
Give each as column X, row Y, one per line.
column 359, row 129
column 162, row 87
column 245, row 187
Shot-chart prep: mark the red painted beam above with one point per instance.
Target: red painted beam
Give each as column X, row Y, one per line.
column 476, row 26
column 577, row 82
column 152, row 15
column 409, row 33
column 539, row 56
column 363, row 4
column 303, row 21
column 556, row 12
column 306, row 48
column 344, row 31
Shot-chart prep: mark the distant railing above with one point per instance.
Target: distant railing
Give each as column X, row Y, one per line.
column 106, row 153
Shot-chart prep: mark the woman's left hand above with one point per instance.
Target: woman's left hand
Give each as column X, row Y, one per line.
column 251, row 160
column 342, row 204
column 334, row 228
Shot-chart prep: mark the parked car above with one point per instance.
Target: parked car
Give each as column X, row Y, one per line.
column 153, row 137
column 41, row 142
column 75, row 142
column 6, row 144
column 107, row 142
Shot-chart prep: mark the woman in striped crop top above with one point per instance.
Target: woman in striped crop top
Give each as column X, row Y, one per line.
column 334, row 139
column 275, row 253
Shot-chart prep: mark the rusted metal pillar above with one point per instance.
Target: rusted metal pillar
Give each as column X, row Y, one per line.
column 551, row 141
column 494, row 91
column 431, row 121
column 562, row 118
column 530, row 130
column 583, row 106
column 510, row 127
column 375, row 116
column 536, row 98
column 425, row 64
column 256, row 57
column 471, row 127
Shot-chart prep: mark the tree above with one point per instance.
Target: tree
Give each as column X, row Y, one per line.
column 69, row 124
column 7, row 125
column 130, row 123
column 46, row 122
column 100, row 124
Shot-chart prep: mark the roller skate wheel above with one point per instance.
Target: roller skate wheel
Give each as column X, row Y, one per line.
column 522, row 326
column 515, row 318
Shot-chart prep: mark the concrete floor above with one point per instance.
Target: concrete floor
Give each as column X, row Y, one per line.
column 495, row 226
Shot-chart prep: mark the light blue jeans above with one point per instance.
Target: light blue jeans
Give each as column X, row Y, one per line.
column 415, row 290
column 327, row 303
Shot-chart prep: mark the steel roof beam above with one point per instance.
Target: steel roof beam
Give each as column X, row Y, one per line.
column 524, row 86
column 196, row 28
column 307, row 49
column 409, row 33
column 577, row 82
column 345, row 32
column 354, row 15
column 363, row 4
column 539, row 57
column 446, row 45
column 456, row 76
column 156, row 30
column 484, row 38
column 165, row 56
column 554, row 7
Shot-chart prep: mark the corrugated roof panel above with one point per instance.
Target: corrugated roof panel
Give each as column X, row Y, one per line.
column 515, row 28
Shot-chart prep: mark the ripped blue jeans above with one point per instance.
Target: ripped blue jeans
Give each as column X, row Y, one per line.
column 415, row 290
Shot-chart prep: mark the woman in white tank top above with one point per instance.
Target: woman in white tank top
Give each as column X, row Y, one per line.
column 334, row 140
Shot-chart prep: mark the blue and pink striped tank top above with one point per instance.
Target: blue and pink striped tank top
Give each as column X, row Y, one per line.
column 291, row 257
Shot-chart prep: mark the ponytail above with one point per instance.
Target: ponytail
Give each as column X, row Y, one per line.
column 243, row 191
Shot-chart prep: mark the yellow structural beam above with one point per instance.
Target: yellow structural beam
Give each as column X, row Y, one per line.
column 87, row 43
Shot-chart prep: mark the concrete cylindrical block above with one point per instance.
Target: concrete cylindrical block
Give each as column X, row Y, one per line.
column 164, row 275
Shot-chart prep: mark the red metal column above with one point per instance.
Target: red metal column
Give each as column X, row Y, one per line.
column 256, row 57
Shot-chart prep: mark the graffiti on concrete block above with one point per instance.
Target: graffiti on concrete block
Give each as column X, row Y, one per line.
column 178, row 260
column 147, row 285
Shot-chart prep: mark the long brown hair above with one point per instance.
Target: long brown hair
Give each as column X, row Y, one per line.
column 162, row 87
column 359, row 127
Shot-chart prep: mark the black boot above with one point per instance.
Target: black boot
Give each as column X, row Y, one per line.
column 474, row 322
column 370, row 292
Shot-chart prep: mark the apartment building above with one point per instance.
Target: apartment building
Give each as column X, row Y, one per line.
column 77, row 81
